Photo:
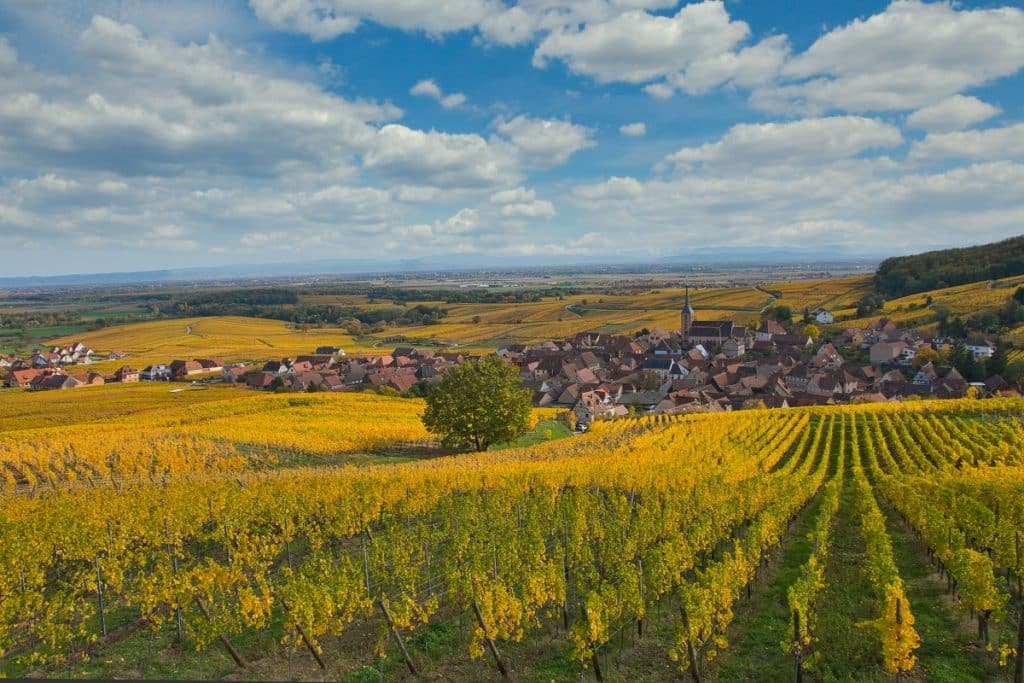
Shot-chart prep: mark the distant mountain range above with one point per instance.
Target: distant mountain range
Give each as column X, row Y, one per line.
column 690, row 258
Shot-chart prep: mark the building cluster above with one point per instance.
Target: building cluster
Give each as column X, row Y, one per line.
column 704, row 366
column 716, row 365
column 330, row 369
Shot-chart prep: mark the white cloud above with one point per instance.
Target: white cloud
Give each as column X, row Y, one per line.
column 990, row 144
column 613, row 188
column 800, row 143
column 428, row 88
column 544, row 143
column 440, row 159
column 751, row 66
column 633, row 130
column 538, row 208
column 660, row 91
column 912, row 55
column 159, row 108
column 326, row 19
column 860, row 207
column 636, row 47
column 8, row 55
column 954, row 113
column 517, row 194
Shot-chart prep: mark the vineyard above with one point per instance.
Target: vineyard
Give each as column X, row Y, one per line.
column 150, row 432
column 473, row 326
column 714, row 547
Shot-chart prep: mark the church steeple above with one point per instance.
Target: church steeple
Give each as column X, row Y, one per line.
column 687, row 316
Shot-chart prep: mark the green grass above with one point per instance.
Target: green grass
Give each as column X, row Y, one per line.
column 755, row 652
column 947, row 653
column 546, row 430
column 847, row 651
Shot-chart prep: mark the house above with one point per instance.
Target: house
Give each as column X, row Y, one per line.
column 116, row 354
column 185, row 368
column 733, row 347
column 981, row 348
column 823, row 317
column 126, row 374
column 210, row 364
column 768, row 329
column 260, row 380
column 401, row 382
column 155, row 373
column 22, row 378
column 90, row 378
column 886, row 352
column 596, row 405
column 52, row 381
column 829, row 354
column 665, row 368
column 235, row 373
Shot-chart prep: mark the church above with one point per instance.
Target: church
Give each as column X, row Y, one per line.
column 711, row 334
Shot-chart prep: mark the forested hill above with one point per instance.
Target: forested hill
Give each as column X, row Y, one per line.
column 903, row 275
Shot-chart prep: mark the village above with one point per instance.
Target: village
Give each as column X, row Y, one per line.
column 704, row 366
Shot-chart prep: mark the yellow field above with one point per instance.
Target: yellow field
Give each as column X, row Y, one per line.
column 153, row 429
column 228, row 338
column 475, row 327
column 838, row 293
column 962, row 300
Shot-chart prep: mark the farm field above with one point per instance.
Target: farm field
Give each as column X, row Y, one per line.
column 151, row 431
column 229, row 338
column 833, row 294
column 475, row 327
column 813, row 538
column 962, row 300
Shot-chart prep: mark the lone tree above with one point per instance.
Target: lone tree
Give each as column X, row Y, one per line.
column 478, row 404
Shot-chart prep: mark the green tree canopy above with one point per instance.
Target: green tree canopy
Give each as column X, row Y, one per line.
column 478, row 404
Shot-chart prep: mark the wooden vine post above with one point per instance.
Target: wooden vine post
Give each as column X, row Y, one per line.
column 398, row 638
column 691, row 652
column 899, row 622
column 222, row 638
column 313, row 649
column 177, row 610
column 490, row 641
column 99, row 597
column 798, row 650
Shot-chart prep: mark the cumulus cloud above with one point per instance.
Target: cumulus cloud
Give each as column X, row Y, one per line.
column 326, row 19
column 804, row 142
column 160, row 108
column 991, row 144
column 912, row 55
column 862, row 204
column 538, row 208
column 954, row 113
column 440, row 159
column 516, row 194
column 633, row 130
column 544, row 143
column 636, row 47
column 428, row 88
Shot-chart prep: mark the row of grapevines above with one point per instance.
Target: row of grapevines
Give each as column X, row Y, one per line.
column 895, row 621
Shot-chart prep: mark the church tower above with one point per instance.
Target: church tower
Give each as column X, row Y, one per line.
column 687, row 316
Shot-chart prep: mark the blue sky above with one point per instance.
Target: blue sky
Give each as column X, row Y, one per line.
column 138, row 135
